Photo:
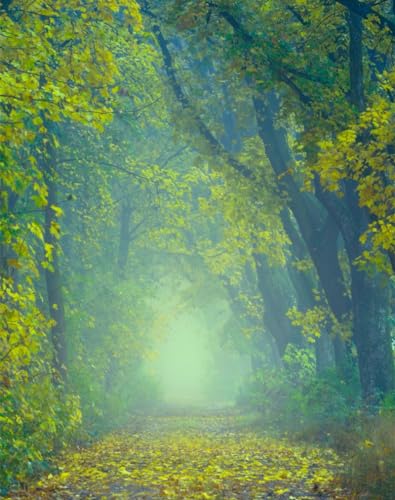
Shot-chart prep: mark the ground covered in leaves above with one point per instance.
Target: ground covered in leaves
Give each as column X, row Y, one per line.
column 200, row 457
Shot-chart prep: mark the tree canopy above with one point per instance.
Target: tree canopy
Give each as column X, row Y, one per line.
column 227, row 152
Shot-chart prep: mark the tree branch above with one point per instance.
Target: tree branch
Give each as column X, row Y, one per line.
column 365, row 10
column 185, row 103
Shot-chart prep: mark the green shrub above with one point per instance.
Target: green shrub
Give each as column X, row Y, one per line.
column 293, row 398
column 370, row 471
column 326, row 410
column 35, row 420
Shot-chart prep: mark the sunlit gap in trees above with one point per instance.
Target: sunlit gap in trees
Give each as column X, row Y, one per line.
column 189, row 374
column 193, row 367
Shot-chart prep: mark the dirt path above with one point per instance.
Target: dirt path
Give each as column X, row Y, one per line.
column 206, row 457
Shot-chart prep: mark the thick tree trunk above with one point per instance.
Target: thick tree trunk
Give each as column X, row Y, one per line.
column 319, row 235
column 356, row 61
column 370, row 300
column 303, row 285
column 370, row 294
column 323, row 353
column 372, row 336
column 304, row 208
column 371, row 310
column 263, row 343
column 264, row 349
column 276, row 290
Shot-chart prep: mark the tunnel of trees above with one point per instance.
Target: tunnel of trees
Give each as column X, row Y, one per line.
column 227, row 163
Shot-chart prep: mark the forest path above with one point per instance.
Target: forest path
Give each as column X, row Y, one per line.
column 190, row 457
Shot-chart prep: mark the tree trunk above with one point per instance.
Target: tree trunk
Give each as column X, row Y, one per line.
column 356, row 61
column 318, row 233
column 53, row 276
column 305, row 210
column 371, row 310
column 370, row 294
column 123, row 254
column 370, row 300
column 276, row 290
column 124, row 236
column 304, row 284
column 323, row 353
column 372, row 336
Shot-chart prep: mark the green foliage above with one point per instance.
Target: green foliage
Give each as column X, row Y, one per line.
column 371, row 461
column 35, row 420
column 294, row 399
column 101, row 195
column 372, row 168
column 61, row 70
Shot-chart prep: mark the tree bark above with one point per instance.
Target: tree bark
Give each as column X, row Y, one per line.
column 276, row 290
column 370, row 296
column 372, row 336
column 303, row 284
column 370, row 300
column 304, row 208
column 53, row 276
column 124, row 236
column 364, row 10
column 356, row 61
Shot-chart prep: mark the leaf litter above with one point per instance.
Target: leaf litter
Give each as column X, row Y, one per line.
column 198, row 457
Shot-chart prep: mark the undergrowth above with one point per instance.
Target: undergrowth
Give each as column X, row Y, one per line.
column 322, row 409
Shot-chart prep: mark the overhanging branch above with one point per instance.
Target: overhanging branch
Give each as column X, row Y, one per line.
column 185, row 103
column 365, row 10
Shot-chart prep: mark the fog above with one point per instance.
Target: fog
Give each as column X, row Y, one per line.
column 183, row 362
column 197, row 211
column 194, row 359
